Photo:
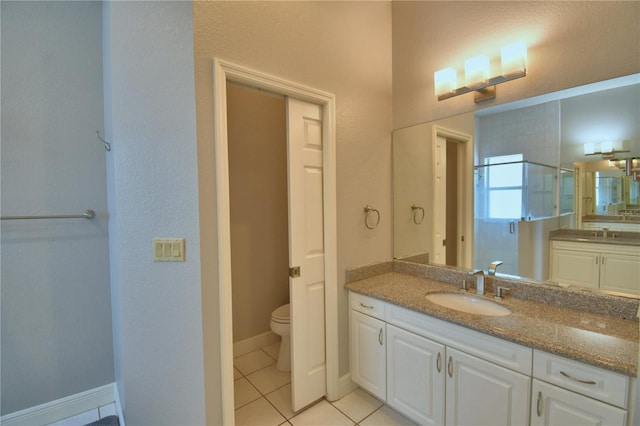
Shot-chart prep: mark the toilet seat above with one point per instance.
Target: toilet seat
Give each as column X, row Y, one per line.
column 281, row 315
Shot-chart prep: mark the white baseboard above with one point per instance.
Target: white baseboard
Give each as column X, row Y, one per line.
column 62, row 408
column 252, row 343
column 345, row 385
column 116, row 396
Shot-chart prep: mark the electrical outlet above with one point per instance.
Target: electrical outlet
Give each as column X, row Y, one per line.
column 168, row 249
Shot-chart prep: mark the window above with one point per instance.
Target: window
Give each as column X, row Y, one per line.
column 504, row 186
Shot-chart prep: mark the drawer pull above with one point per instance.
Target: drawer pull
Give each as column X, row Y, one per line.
column 366, row 306
column 439, row 362
column 450, row 367
column 570, row 377
column 539, row 405
column 380, row 337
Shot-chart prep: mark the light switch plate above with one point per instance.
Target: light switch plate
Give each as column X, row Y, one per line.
column 168, row 249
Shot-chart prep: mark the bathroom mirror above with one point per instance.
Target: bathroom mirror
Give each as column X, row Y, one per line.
column 551, row 141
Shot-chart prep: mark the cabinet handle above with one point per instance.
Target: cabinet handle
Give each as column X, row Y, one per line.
column 570, row 377
column 380, row 337
column 539, row 405
column 439, row 362
column 597, row 259
column 450, row 367
column 602, row 260
column 366, row 306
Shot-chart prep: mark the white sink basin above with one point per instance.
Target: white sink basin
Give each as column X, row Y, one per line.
column 468, row 303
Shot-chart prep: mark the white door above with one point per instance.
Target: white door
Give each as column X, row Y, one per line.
column 551, row 405
column 575, row 267
column 415, row 376
column 306, row 252
column 368, row 354
column 620, row 272
column 481, row 393
column 440, row 197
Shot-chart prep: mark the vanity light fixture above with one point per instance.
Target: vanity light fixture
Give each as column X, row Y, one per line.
column 477, row 74
column 630, row 166
column 607, row 149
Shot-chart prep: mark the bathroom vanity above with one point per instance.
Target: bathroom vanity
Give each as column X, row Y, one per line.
column 593, row 260
column 540, row 365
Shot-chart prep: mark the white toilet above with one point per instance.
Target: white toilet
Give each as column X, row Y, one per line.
column 281, row 325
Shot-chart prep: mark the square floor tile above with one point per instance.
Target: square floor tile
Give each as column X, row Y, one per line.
column 236, row 374
column 244, row 392
column 321, row 414
column 258, row 413
column 273, row 350
column 386, row 416
column 281, row 399
column 269, row 379
column 253, row 361
column 357, row 405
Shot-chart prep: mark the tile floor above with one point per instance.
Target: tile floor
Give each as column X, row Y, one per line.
column 263, row 397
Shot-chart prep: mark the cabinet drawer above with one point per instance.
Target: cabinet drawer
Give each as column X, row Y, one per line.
column 507, row 354
column 367, row 305
column 576, row 376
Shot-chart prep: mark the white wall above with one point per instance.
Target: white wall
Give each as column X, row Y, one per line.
column 153, row 192
column 569, row 44
column 339, row 47
column 56, row 316
column 533, row 132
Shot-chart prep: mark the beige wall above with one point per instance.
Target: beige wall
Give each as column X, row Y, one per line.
column 257, row 137
column 569, row 44
column 340, row 47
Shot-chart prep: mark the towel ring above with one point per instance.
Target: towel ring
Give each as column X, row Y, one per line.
column 415, row 208
column 367, row 210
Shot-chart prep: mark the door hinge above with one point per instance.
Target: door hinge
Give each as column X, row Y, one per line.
column 444, row 242
column 294, row 272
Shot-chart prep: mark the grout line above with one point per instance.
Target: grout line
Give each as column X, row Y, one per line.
column 371, row 414
column 346, row 415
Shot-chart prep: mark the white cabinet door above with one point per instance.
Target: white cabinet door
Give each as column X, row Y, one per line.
column 620, row 272
column 415, row 376
column 551, row 406
column 482, row 393
column 575, row 267
column 368, row 360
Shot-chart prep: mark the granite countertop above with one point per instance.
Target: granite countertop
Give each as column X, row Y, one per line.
column 600, row 340
column 624, row 238
column 612, row 218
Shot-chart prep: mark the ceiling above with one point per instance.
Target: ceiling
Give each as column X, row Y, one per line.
column 612, row 114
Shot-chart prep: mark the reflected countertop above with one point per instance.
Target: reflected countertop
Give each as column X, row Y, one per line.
column 601, row 340
column 612, row 218
column 625, row 238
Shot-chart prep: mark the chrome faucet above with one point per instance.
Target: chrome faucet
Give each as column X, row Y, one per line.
column 479, row 274
column 493, row 266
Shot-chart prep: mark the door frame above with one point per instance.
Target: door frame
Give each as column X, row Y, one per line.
column 465, row 192
column 224, row 71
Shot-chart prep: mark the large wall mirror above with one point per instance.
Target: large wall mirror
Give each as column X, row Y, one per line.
column 495, row 184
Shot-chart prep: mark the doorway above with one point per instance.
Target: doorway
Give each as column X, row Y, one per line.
column 325, row 186
column 453, row 236
column 453, row 197
column 257, row 142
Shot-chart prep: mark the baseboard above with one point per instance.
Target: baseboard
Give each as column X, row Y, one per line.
column 62, row 408
column 345, row 385
column 256, row 342
column 116, row 396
